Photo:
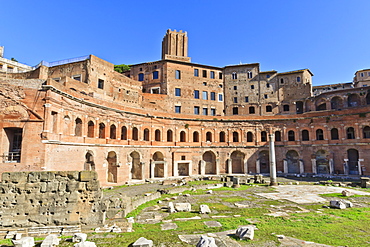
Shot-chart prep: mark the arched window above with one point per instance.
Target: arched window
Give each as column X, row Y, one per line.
column 277, row 136
column 222, row 136
column 252, row 110
column 101, row 130
column 268, row 108
column 157, row 135
column 319, row 134
column 291, row 135
column 366, row 132
column 182, row 136
column 350, row 133
column 90, row 129
column 250, row 74
column 146, row 134
column 78, row 127
column 353, row 100
column 135, row 134
column 334, row 134
column 263, row 136
column 113, row 131
column 169, row 136
column 368, row 99
column 336, row 103
column 235, row 136
column 234, row 75
column 123, row 133
column 249, row 137
column 209, row 136
column 305, row 135
column 195, row 136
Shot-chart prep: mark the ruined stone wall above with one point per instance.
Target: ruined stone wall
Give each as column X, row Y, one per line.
column 30, row 199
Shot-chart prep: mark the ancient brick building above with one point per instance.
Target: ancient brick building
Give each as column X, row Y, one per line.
column 173, row 118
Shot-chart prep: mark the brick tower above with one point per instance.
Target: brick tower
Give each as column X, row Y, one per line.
column 175, row 46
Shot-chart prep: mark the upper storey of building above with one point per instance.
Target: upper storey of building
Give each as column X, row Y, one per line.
column 11, row 65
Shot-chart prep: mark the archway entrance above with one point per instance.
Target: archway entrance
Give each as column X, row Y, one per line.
column 292, row 161
column 89, row 162
column 158, row 165
column 322, row 162
column 352, row 155
column 237, row 162
column 112, row 167
column 136, row 166
column 264, row 161
column 210, row 162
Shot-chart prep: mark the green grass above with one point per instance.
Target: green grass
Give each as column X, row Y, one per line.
column 233, row 199
column 341, row 196
column 204, row 182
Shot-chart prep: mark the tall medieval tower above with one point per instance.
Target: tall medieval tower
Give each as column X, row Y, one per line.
column 175, row 46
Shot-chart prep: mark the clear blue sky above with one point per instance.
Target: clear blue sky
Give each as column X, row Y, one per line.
column 330, row 37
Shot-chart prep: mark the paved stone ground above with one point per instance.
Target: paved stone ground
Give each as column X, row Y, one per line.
column 306, row 194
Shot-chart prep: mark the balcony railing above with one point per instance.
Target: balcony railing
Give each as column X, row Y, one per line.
column 12, row 157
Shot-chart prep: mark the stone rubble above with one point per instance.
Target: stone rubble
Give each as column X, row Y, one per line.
column 245, row 232
column 206, row 242
column 79, row 237
column 183, row 207
column 50, row 241
column 24, row 242
column 204, row 209
column 143, row 242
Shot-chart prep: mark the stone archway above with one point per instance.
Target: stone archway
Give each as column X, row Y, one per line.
column 89, row 164
column 136, row 166
column 352, row 155
column 322, row 162
column 237, row 162
column 112, row 167
column 158, row 165
column 292, row 160
column 264, row 161
column 210, row 162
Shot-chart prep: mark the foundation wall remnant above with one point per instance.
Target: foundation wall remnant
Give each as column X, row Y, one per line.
column 33, row 199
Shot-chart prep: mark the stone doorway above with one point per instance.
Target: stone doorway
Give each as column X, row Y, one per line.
column 136, row 166
column 237, row 162
column 210, row 162
column 112, row 167
column 322, row 162
column 158, row 165
column 264, row 161
column 353, row 156
column 89, row 164
column 292, row 160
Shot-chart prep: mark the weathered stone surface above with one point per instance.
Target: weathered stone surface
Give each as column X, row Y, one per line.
column 212, row 223
column 341, row 204
column 24, row 242
column 171, row 208
column 29, row 199
column 168, row 226
column 79, row 237
column 50, row 241
column 245, row 232
column 204, row 209
column 183, row 207
column 206, row 242
column 143, row 242
column 87, row 176
column 347, row 193
column 85, row 244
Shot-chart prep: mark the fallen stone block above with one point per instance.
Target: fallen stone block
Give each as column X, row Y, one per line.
column 183, row 207
column 79, row 237
column 341, row 204
column 347, row 193
column 24, row 242
column 85, row 244
column 143, row 242
column 50, row 241
column 171, row 208
column 206, row 242
column 245, row 232
column 204, row 209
